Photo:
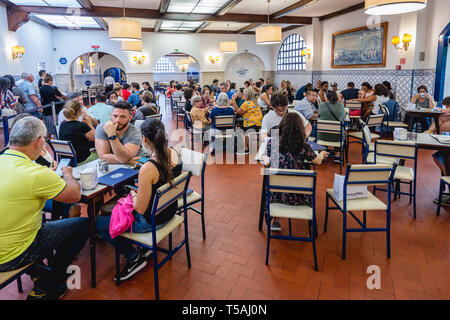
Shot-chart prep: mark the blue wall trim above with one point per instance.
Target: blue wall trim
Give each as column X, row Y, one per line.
column 441, row 63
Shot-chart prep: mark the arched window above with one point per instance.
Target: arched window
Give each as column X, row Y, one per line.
column 163, row 65
column 289, row 56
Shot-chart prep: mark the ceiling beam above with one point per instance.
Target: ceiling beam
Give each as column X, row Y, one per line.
column 343, row 11
column 87, row 4
column 291, row 8
column 227, row 7
column 158, row 25
column 203, row 26
column 113, row 12
column 248, row 27
column 163, row 6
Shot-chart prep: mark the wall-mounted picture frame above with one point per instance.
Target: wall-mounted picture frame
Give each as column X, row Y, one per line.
column 363, row 47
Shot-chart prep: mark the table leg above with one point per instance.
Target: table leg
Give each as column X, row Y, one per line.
column 262, row 205
column 91, row 215
column 410, row 122
column 436, row 122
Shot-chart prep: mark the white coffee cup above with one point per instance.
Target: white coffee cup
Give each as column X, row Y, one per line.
column 89, row 179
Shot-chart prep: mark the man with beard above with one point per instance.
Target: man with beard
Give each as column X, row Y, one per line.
column 118, row 141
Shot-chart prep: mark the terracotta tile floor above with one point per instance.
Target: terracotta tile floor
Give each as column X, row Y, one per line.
column 230, row 263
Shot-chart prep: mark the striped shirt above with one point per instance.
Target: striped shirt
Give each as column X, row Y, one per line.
column 7, row 100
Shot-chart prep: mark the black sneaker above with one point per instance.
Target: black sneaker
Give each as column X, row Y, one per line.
column 39, row 294
column 132, row 267
column 146, row 253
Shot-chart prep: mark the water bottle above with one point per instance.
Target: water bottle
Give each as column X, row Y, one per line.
column 418, row 127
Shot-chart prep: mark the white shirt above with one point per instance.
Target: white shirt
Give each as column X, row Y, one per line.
column 108, row 81
column 377, row 102
column 271, row 120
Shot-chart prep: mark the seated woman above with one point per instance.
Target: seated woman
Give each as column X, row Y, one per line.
column 188, row 93
column 380, row 96
column 422, row 100
column 198, row 114
column 293, row 153
column 163, row 166
column 264, row 98
column 331, row 110
column 112, row 98
column 367, row 96
column 223, row 108
column 206, row 99
column 80, row 134
column 250, row 112
column 148, row 108
column 118, row 89
column 444, row 119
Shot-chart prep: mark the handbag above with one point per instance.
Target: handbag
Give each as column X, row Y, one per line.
column 122, row 217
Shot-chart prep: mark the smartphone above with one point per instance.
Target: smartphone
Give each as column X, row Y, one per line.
column 63, row 163
column 132, row 187
column 143, row 160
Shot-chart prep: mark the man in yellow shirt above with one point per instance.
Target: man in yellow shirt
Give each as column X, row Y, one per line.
column 24, row 188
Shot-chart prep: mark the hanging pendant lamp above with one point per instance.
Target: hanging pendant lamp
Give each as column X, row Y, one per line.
column 269, row 34
column 388, row 7
column 132, row 46
column 228, row 46
column 124, row 29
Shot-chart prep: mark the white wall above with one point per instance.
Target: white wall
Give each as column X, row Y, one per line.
column 37, row 40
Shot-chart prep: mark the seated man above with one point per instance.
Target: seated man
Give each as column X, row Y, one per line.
column 118, row 141
column 350, row 92
column 101, row 111
column 306, row 106
column 272, row 119
column 301, row 92
column 24, row 188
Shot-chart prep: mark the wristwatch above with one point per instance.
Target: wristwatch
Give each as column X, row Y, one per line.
column 112, row 138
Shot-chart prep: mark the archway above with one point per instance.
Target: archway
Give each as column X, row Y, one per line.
column 442, row 85
column 242, row 67
column 177, row 66
column 92, row 66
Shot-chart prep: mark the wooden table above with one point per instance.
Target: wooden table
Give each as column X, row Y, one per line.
column 94, row 199
column 423, row 113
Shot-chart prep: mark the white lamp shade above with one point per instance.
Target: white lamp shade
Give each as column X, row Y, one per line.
column 388, row 7
column 125, row 30
column 228, row 47
column 269, row 34
column 132, row 46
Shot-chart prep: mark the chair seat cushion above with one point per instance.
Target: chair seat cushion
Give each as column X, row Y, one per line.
column 358, row 135
column 329, row 143
column 404, row 173
column 193, row 197
column 381, row 159
column 5, row 276
column 280, row 210
column 446, row 179
column 396, row 124
column 369, row 203
column 146, row 238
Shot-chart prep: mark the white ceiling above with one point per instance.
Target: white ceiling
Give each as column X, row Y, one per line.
column 54, row 3
column 140, row 4
column 145, row 23
column 324, row 7
column 233, row 26
column 260, row 6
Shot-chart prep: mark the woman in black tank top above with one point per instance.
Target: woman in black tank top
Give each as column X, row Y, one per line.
column 163, row 167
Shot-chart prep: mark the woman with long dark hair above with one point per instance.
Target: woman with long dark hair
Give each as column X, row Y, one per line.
column 7, row 98
column 164, row 165
column 291, row 151
column 17, row 92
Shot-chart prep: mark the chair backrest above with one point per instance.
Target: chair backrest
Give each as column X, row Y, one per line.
column 385, row 111
column 138, row 124
column 224, row 121
column 168, row 194
column 189, row 121
column 291, row 181
column 369, row 174
column 193, row 161
column 367, row 135
column 395, row 149
column 328, row 126
column 154, row 116
column 353, row 105
column 374, row 120
column 63, row 148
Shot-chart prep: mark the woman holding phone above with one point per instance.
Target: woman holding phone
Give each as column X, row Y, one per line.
column 163, row 166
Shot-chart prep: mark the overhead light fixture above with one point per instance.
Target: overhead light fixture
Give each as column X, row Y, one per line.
column 132, row 46
column 407, row 38
column 124, row 29
column 388, row 7
column 269, row 34
column 18, row 52
column 228, row 46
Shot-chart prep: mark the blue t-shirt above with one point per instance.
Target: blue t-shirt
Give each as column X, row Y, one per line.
column 29, row 90
column 350, row 93
column 299, row 95
column 220, row 112
column 229, row 94
column 134, row 99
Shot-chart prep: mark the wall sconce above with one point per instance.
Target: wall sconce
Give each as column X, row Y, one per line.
column 214, row 60
column 407, row 38
column 18, row 52
column 139, row 60
column 306, row 52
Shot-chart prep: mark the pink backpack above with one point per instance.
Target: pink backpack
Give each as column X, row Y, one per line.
column 122, row 217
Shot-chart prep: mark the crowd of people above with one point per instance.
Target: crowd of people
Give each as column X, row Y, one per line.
column 106, row 131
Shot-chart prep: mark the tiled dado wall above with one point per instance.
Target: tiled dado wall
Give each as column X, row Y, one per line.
column 404, row 82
